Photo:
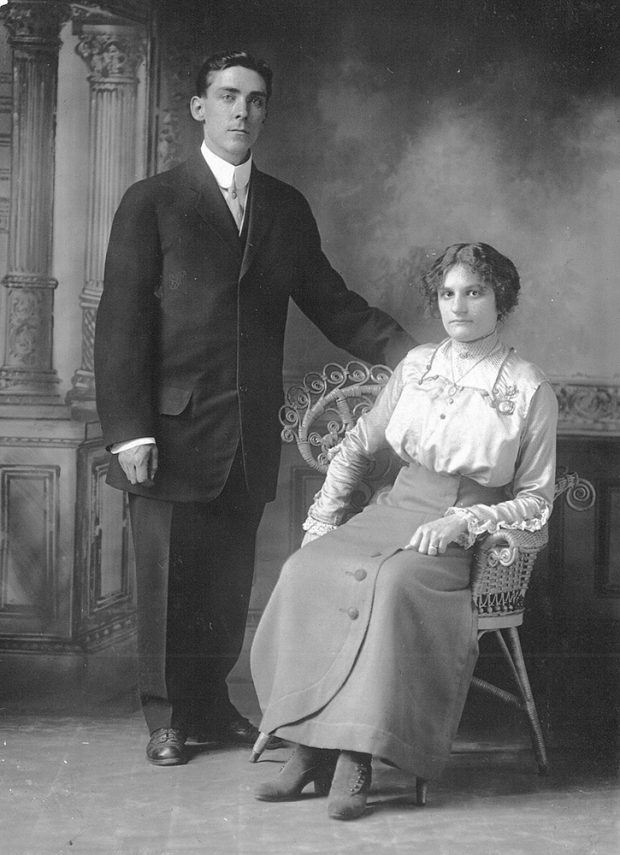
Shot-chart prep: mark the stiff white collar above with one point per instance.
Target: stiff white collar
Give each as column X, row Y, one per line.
column 224, row 171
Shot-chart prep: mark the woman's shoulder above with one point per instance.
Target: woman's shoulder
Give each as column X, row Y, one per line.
column 524, row 371
column 415, row 362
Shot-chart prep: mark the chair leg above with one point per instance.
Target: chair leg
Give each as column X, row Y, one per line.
column 421, row 787
column 259, row 746
column 518, row 663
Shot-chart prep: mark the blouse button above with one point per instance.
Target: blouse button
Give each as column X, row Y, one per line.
column 360, row 574
column 442, row 416
column 353, row 614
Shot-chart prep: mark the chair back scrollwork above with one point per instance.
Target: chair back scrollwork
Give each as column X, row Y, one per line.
column 318, row 412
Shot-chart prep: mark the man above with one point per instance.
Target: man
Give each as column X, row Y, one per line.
column 201, row 264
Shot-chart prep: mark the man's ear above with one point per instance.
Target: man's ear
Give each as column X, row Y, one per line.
column 196, row 107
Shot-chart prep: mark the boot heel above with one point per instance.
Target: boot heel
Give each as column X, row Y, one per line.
column 323, row 784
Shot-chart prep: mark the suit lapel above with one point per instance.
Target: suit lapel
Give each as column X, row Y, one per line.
column 260, row 215
column 210, row 204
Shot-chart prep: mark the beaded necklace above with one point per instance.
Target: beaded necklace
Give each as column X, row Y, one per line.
column 482, row 348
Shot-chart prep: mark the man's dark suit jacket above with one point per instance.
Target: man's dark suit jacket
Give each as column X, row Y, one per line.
column 190, row 328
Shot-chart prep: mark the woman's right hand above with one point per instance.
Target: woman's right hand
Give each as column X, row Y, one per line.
column 433, row 538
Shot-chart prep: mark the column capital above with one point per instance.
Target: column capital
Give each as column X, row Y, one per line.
column 111, row 52
column 35, row 23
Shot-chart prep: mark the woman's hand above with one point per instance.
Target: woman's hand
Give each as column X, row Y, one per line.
column 432, row 538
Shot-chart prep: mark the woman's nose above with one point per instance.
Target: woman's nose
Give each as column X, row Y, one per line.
column 459, row 305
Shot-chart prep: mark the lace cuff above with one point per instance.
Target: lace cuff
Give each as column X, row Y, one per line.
column 316, row 527
column 477, row 526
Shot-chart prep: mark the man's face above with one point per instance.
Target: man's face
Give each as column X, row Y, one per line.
column 232, row 112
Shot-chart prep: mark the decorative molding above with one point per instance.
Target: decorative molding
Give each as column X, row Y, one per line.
column 588, row 406
column 103, row 584
column 39, row 442
column 29, row 518
column 89, row 642
column 120, row 11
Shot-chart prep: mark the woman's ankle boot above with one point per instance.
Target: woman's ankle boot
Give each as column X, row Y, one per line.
column 304, row 766
column 349, row 790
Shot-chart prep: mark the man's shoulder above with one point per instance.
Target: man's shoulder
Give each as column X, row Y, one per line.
column 276, row 187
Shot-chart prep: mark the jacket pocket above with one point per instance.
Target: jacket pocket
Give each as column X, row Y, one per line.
column 173, row 401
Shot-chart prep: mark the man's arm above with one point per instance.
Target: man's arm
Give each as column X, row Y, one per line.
column 343, row 315
column 126, row 321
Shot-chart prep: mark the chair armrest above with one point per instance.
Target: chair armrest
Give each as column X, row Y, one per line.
column 502, row 564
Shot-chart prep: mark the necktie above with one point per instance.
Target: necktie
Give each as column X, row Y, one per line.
column 234, row 203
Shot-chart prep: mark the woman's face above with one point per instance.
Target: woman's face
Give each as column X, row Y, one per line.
column 467, row 305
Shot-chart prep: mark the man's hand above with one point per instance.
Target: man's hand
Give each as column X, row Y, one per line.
column 432, row 538
column 139, row 464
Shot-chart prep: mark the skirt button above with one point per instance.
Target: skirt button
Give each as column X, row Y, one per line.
column 353, row 614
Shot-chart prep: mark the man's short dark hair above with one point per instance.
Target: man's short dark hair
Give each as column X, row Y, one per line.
column 228, row 59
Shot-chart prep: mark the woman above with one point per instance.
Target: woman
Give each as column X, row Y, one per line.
column 368, row 643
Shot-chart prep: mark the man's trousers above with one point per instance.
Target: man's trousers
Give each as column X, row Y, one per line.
column 194, row 569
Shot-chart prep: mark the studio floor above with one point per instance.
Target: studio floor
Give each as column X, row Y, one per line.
column 82, row 785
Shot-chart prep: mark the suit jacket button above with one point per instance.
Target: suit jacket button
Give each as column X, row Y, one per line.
column 360, row 574
column 353, row 614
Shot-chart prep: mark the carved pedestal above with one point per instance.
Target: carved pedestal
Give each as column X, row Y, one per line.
column 66, row 581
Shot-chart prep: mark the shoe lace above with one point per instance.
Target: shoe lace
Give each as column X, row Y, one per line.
column 170, row 735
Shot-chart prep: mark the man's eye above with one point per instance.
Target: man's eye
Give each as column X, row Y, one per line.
column 258, row 101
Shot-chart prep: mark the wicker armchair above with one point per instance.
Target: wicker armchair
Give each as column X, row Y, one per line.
column 317, row 415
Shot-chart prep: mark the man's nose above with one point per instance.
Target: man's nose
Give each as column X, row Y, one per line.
column 241, row 108
column 459, row 305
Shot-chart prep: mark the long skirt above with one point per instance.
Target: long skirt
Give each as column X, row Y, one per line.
column 367, row 646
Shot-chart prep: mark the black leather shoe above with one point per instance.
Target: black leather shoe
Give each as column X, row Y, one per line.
column 167, row 747
column 242, row 732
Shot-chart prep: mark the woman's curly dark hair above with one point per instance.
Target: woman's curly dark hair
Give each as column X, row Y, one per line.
column 493, row 268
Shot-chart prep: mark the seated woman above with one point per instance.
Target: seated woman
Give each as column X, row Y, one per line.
column 368, row 643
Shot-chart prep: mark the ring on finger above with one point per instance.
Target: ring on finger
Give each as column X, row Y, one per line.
column 432, row 550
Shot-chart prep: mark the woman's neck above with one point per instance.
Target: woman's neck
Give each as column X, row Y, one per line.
column 476, row 349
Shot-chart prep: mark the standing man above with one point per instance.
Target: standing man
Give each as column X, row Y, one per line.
column 201, row 264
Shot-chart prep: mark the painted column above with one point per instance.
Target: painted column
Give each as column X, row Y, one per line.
column 113, row 55
column 27, row 375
